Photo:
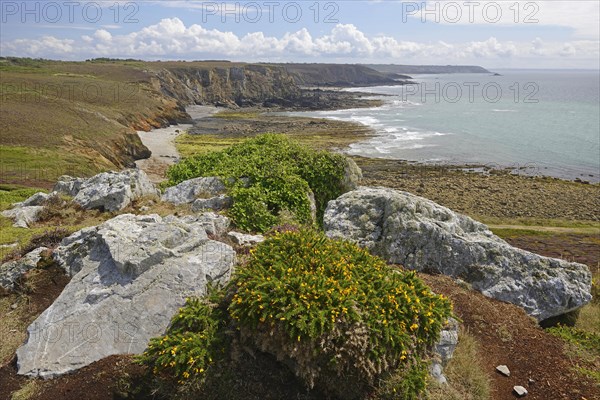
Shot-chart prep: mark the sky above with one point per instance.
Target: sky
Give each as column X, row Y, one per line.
column 493, row 34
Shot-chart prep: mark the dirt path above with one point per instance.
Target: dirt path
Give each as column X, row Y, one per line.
column 161, row 143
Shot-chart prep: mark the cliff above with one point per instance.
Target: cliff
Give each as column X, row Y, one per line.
column 342, row 75
column 225, row 84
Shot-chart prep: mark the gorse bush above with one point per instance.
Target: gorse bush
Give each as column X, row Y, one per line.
column 339, row 314
column 193, row 340
column 267, row 176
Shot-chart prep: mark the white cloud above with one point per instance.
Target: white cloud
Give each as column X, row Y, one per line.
column 103, row 35
column 491, row 48
column 581, row 16
column 172, row 39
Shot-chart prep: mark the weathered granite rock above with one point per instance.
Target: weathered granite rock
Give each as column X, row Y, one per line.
column 27, row 212
column 242, row 239
column 113, row 191
column 23, row 217
column 129, row 277
column 213, row 224
column 217, row 203
column 422, row 235
column 37, row 199
column 69, row 185
column 12, row 271
column 198, row 188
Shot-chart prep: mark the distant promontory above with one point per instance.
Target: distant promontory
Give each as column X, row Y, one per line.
column 428, row 69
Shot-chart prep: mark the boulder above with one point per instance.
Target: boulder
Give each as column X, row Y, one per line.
column 38, row 199
column 421, row 235
column 198, row 188
column 23, row 217
column 12, row 271
column 113, row 191
column 27, row 212
column 213, row 224
column 242, row 239
column 130, row 275
column 68, row 185
column 217, row 203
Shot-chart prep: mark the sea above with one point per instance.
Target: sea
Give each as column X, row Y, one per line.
column 535, row 122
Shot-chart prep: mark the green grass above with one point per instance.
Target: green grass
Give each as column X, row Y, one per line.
column 193, row 145
column 584, row 346
column 28, row 391
column 236, row 115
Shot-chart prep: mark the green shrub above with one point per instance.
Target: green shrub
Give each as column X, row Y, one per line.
column 193, row 340
column 339, row 315
column 267, row 176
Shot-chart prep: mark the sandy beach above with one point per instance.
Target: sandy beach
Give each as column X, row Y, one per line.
column 161, row 143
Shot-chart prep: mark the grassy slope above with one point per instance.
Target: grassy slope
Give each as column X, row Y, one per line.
column 77, row 118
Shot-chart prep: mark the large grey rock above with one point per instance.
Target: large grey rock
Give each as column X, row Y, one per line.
column 108, row 191
column 422, row 235
column 198, row 188
column 27, row 212
column 37, row 199
column 130, row 275
column 217, row 203
column 242, row 239
column 23, row 217
column 69, row 185
column 12, row 271
column 213, row 224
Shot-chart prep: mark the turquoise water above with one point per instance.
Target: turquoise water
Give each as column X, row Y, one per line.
column 544, row 121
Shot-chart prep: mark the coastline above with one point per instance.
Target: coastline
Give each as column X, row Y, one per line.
column 479, row 133
column 498, row 197
column 161, row 142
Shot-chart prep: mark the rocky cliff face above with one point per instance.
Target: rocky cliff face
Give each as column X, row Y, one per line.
column 344, row 75
column 235, row 85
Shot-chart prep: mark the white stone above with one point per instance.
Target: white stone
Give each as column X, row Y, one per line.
column 520, row 391
column 503, row 369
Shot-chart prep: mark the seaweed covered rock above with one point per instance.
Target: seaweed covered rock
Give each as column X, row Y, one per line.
column 421, row 235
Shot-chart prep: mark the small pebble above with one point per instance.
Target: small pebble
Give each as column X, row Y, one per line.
column 520, row 391
column 531, row 382
column 503, row 369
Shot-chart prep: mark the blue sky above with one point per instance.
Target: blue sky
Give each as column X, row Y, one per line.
column 495, row 34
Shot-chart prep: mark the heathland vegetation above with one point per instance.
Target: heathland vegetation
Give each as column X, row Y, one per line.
column 300, row 304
